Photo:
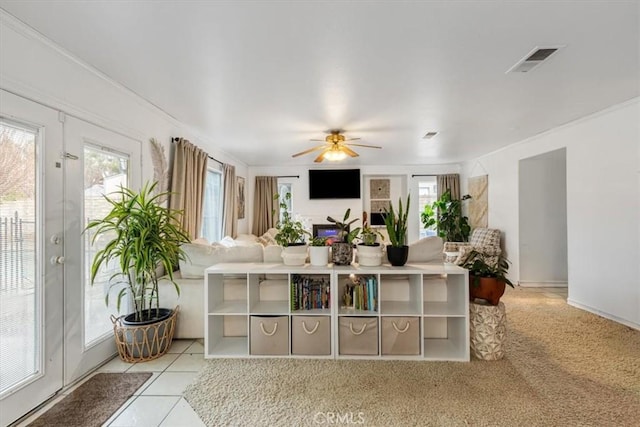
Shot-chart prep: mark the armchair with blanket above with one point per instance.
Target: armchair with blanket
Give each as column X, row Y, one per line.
column 483, row 240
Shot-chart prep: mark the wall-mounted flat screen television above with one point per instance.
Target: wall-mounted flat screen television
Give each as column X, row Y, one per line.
column 334, row 183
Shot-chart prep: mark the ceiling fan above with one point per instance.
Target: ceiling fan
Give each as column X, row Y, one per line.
column 336, row 147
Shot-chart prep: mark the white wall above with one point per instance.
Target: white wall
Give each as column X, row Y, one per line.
column 543, row 219
column 316, row 211
column 33, row 67
column 603, row 206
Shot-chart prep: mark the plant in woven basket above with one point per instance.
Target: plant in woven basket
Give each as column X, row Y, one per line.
column 144, row 236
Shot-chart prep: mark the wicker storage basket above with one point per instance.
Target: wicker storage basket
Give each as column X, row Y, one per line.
column 140, row 343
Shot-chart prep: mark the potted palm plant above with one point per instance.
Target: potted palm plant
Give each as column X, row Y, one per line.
column 342, row 249
column 145, row 239
column 291, row 235
column 396, row 224
column 487, row 276
column 369, row 250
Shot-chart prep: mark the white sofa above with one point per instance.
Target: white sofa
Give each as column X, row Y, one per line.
column 190, row 278
column 245, row 248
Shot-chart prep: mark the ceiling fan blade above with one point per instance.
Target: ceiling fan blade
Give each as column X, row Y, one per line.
column 320, row 158
column 321, row 140
column 319, row 147
column 349, row 151
column 364, row 145
column 352, row 139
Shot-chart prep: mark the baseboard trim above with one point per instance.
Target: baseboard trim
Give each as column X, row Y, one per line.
column 526, row 284
column 617, row 319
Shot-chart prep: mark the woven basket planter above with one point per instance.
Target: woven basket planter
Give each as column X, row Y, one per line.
column 140, row 343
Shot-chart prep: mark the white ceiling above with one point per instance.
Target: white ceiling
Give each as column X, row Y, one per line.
column 258, row 79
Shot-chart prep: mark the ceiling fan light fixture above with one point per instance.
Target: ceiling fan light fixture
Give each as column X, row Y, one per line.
column 335, row 155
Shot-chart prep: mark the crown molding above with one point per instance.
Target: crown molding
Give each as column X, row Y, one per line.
column 51, row 101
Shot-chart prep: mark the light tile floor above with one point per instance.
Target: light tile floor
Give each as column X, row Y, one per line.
column 159, row 401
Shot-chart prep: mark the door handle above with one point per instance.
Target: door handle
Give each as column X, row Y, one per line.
column 57, row 260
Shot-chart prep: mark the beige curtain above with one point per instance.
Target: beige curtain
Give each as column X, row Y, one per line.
column 449, row 182
column 230, row 204
column 265, row 212
column 187, row 185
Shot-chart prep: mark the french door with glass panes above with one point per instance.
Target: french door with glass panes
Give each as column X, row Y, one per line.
column 54, row 325
column 98, row 162
column 31, row 251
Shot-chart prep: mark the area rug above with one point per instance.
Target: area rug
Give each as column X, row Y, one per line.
column 94, row 401
column 563, row 366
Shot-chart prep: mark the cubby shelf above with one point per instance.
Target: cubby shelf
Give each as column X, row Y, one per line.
column 415, row 312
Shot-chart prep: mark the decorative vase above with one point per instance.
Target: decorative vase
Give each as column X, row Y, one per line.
column 487, row 330
column 319, row 255
column 489, row 289
column 369, row 255
column 294, row 254
column 341, row 253
column 397, row 255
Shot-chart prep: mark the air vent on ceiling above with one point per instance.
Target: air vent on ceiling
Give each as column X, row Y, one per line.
column 533, row 59
column 429, row 135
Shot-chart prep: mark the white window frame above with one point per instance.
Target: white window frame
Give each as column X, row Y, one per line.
column 215, row 169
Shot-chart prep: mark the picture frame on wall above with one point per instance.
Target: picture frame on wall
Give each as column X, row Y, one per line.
column 380, row 189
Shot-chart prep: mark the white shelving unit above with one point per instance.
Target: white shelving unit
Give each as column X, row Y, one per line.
column 416, row 312
column 236, row 293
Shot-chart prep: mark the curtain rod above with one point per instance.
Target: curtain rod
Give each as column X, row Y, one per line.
column 288, row 176
column 413, row 176
column 212, row 158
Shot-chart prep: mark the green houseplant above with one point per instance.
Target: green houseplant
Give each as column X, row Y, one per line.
column 318, row 251
column 369, row 236
column 144, row 236
column 487, row 276
column 291, row 235
column 446, row 214
column 369, row 250
column 342, row 249
column 396, row 225
column 290, row 232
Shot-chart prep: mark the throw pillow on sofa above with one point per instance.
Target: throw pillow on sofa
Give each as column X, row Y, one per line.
column 428, row 249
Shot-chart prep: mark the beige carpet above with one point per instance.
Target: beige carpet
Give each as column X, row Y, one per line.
column 564, row 367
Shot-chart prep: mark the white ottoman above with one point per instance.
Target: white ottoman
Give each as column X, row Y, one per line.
column 488, row 329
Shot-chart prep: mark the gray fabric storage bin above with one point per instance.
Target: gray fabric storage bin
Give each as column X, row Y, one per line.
column 269, row 335
column 311, row 335
column 401, row 336
column 358, row 336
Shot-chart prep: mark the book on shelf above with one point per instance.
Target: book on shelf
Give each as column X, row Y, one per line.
column 361, row 294
column 310, row 293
